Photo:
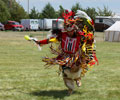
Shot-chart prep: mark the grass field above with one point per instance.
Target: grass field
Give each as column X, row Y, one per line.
column 23, row 75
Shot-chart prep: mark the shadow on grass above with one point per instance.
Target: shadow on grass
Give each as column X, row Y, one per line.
column 53, row 93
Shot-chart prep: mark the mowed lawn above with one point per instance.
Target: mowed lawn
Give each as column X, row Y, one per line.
column 23, row 76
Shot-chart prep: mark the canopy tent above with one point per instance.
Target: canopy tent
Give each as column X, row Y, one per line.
column 113, row 32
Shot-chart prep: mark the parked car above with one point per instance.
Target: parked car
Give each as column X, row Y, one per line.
column 2, row 27
column 13, row 25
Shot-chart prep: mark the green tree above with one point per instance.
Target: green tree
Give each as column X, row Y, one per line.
column 91, row 12
column 8, row 3
column 4, row 13
column 40, row 16
column 104, row 12
column 16, row 11
column 61, row 11
column 34, row 13
column 48, row 11
column 76, row 7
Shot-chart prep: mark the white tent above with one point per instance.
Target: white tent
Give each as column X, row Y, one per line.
column 113, row 32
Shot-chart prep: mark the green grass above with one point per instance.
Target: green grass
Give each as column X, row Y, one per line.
column 23, row 75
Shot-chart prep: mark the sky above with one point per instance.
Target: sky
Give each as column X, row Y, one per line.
column 113, row 5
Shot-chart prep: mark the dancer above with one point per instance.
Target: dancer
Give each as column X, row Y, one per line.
column 76, row 51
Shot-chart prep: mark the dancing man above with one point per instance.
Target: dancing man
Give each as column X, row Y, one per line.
column 76, row 51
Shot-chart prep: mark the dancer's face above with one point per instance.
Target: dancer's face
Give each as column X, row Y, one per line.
column 70, row 33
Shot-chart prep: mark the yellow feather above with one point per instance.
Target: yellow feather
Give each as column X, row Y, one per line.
column 83, row 47
column 53, row 40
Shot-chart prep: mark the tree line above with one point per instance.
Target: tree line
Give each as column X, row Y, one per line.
column 12, row 10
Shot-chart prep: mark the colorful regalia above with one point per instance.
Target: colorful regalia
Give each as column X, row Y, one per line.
column 82, row 53
column 73, row 53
